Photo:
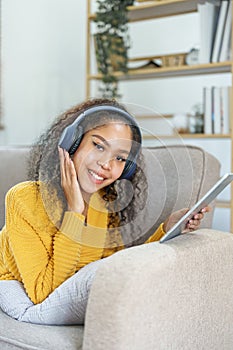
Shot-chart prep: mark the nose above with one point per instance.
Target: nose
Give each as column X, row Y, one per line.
column 104, row 164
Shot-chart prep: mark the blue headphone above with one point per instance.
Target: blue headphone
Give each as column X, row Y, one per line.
column 73, row 134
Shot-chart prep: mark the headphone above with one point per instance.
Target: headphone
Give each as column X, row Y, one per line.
column 73, row 134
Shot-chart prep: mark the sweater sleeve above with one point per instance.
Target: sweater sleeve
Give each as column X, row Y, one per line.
column 156, row 235
column 43, row 255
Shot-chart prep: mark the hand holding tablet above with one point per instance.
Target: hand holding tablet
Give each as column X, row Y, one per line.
column 178, row 228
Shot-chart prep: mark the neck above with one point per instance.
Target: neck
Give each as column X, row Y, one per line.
column 86, row 198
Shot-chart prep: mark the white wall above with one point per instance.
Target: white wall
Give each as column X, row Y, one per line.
column 43, row 64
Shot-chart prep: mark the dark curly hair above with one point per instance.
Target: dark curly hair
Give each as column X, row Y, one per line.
column 44, row 168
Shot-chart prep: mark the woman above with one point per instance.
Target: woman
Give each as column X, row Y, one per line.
column 74, row 212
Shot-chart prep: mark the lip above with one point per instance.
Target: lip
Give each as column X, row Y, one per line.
column 96, row 177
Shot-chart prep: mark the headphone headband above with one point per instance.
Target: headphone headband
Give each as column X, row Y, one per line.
column 72, row 135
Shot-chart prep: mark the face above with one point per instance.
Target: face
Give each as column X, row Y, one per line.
column 101, row 156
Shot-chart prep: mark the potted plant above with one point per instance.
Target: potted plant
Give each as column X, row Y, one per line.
column 111, row 42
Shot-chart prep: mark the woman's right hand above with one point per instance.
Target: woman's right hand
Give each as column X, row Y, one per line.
column 69, row 183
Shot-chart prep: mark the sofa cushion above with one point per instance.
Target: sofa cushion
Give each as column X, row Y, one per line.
column 21, row 335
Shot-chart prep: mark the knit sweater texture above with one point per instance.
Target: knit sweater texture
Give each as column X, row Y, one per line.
column 42, row 256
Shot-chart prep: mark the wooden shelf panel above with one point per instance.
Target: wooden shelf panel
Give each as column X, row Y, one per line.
column 223, row 204
column 209, row 68
column 148, row 0
column 165, row 8
column 153, row 9
column 188, row 136
column 153, row 116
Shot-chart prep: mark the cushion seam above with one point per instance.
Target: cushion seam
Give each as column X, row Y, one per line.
column 18, row 343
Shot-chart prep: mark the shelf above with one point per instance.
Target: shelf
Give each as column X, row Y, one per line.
column 188, row 136
column 152, row 73
column 153, row 10
column 165, row 8
column 153, row 116
column 223, row 204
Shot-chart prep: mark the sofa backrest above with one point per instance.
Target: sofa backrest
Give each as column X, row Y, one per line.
column 13, row 169
column 177, row 177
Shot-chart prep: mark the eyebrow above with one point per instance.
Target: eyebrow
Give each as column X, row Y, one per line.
column 108, row 144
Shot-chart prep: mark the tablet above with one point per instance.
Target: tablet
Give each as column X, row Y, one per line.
column 177, row 229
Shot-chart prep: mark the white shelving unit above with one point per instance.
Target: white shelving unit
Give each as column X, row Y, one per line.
column 154, row 10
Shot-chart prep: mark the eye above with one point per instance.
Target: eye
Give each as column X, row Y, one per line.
column 99, row 146
column 121, row 159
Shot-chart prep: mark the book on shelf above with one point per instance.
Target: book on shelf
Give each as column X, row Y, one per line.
column 212, row 109
column 207, row 102
column 216, row 101
column 225, row 52
column 218, row 35
column 217, row 122
column 208, row 16
column 225, row 96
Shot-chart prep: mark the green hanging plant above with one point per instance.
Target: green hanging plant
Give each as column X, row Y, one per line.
column 111, row 42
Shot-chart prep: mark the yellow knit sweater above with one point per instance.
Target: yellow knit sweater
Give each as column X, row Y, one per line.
column 40, row 255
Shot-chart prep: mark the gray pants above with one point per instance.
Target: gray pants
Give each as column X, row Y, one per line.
column 65, row 305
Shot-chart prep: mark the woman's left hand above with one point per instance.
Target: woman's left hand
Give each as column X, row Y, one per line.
column 192, row 225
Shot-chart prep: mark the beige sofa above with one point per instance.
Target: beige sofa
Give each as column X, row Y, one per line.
column 177, row 295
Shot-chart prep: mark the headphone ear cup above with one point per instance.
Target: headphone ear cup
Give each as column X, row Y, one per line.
column 75, row 145
column 71, row 138
column 129, row 170
column 77, row 137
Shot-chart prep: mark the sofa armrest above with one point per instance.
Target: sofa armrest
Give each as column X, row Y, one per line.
column 174, row 295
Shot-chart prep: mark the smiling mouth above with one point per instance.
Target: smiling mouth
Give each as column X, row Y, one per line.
column 96, row 176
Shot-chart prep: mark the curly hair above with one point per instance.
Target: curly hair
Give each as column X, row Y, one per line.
column 44, row 169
